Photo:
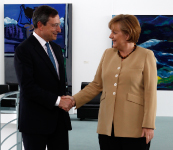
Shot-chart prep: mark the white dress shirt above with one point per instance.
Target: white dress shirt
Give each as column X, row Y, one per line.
column 43, row 42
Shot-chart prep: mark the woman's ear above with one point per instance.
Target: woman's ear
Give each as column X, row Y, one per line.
column 127, row 37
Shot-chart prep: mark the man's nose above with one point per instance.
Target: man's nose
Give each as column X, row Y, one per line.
column 58, row 29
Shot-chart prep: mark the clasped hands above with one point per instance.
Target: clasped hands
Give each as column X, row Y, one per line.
column 67, row 102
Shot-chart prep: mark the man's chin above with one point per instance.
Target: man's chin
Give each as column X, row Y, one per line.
column 54, row 38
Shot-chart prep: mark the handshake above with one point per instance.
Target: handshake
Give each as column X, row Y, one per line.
column 67, row 102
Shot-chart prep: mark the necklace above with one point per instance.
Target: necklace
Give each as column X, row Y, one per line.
column 127, row 54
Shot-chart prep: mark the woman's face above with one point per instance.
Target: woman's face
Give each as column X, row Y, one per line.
column 119, row 39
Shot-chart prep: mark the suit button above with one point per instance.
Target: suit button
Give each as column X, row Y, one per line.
column 115, row 84
column 114, row 93
column 116, row 75
column 118, row 68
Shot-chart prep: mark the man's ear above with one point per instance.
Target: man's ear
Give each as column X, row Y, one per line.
column 40, row 26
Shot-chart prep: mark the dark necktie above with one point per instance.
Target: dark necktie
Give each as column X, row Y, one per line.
column 50, row 55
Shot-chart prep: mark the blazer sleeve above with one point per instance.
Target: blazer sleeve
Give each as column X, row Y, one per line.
column 25, row 74
column 92, row 89
column 150, row 91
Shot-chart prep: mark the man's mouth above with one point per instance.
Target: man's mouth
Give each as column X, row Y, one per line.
column 55, row 34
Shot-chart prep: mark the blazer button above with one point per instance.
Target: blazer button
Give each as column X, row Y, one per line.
column 115, row 84
column 116, row 75
column 118, row 68
column 114, row 93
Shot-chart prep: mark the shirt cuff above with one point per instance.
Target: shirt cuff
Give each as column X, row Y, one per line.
column 58, row 101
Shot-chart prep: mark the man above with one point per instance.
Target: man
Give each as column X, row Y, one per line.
column 43, row 117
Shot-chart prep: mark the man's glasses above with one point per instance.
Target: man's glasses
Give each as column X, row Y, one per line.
column 55, row 25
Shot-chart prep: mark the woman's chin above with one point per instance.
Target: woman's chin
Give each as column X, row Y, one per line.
column 114, row 46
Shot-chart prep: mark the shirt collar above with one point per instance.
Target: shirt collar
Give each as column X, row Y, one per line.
column 41, row 40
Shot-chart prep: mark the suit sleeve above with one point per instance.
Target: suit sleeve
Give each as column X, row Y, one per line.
column 92, row 89
column 30, row 90
column 150, row 91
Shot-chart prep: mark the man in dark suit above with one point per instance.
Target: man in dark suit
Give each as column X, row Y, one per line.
column 43, row 113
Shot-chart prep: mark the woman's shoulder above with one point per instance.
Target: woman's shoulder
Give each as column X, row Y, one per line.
column 111, row 50
column 143, row 50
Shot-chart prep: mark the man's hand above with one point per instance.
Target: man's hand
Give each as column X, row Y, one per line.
column 72, row 98
column 148, row 133
column 67, row 102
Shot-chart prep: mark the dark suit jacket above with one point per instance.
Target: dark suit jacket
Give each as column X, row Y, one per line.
column 39, row 88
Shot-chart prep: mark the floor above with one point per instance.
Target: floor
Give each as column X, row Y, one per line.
column 84, row 136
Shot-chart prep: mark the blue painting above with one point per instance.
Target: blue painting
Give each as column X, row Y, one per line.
column 18, row 26
column 157, row 35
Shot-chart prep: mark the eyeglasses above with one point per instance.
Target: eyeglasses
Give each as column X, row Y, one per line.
column 55, row 25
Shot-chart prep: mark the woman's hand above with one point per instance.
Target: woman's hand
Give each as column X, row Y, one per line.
column 148, row 133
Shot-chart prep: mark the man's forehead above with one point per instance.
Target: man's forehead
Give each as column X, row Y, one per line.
column 54, row 18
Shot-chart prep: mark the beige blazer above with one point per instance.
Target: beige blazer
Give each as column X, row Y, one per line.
column 128, row 92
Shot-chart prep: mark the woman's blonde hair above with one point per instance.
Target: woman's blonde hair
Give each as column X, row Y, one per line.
column 129, row 25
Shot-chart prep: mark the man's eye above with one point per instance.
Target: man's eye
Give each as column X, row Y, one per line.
column 56, row 25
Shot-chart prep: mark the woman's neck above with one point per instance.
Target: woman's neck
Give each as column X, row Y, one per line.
column 127, row 49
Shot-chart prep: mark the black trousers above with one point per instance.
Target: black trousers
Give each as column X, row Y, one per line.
column 55, row 141
column 122, row 143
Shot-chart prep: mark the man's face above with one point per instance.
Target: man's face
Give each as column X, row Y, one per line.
column 51, row 29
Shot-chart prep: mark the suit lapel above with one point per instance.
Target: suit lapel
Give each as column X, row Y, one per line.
column 41, row 52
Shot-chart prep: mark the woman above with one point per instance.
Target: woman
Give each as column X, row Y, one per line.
column 127, row 77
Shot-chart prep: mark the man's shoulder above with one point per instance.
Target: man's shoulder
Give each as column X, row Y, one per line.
column 27, row 42
column 26, row 46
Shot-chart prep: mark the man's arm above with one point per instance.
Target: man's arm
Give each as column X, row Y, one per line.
column 31, row 91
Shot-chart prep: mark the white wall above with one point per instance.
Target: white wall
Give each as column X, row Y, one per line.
column 91, row 36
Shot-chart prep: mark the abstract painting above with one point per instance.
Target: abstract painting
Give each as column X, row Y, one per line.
column 157, row 35
column 18, row 26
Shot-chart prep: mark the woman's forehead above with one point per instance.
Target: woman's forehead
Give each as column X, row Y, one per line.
column 115, row 26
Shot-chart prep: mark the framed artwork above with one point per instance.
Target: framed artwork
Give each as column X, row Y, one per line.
column 156, row 35
column 18, row 26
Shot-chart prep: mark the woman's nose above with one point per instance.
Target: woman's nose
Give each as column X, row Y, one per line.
column 110, row 36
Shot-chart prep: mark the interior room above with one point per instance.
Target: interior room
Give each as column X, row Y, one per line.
column 90, row 38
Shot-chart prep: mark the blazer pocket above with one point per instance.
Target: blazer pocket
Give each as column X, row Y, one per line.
column 103, row 96
column 135, row 99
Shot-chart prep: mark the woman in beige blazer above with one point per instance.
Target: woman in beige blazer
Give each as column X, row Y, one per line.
column 127, row 77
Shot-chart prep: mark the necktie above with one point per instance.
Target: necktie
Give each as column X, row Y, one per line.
column 50, row 55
